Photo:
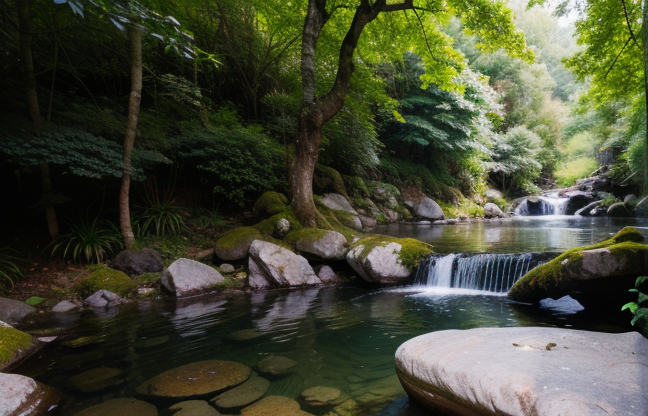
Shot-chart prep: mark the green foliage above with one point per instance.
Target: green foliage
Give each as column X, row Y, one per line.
column 239, row 163
column 34, row 301
column 102, row 277
column 161, row 219
column 82, row 153
column 9, row 268
column 408, row 174
column 514, row 166
column 575, row 169
column 639, row 309
column 89, row 240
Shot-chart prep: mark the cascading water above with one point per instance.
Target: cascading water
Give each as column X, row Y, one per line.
column 542, row 205
column 495, row 273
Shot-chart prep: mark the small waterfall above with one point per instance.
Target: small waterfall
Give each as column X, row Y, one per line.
column 542, row 205
column 495, row 273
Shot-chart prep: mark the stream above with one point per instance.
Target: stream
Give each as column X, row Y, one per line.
column 340, row 337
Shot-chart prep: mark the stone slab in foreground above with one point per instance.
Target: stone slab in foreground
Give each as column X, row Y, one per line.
column 526, row 371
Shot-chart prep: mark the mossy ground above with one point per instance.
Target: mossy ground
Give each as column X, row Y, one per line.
column 328, row 180
column 269, row 204
column 235, row 236
column 547, row 277
column 11, row 342
column 411, row 254
column 102, row 277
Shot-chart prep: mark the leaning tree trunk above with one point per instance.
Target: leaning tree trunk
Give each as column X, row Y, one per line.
column 309, row 138
column 644, row 35
column 135, row 41
column 25, row 41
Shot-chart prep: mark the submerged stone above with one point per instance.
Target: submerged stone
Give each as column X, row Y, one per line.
column 97, row 379
column 243, row 335
column 320, row 395
column 120, row 407
column 274, row 406
column 151, row 342
column 276, row 365
column 249, row 392
column 193, row 408
column 526, row 371
column 196, row 379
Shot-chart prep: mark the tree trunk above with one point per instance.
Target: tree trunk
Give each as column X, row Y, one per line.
column 135, row 41
column 23, row 8
column 309, row 138
column 644, row 35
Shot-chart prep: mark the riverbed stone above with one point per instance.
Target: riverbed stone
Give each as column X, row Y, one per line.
column 235, row 244
column 227, row 268
column 577, row 200
column 136, row 262
column 243, row 395
column 196, row 380
column 194, row 408
column 64, row 306
column 619, row 209
column 276, row 365
column 320, row 244
column 526, row 371
column 97, row 379
column 104, row 299
column 185, row 277
column 272, row 265
column 121, row 407
column 320, row 396
column 428, row 209
column 597, row 276
column 326, row 274
column 23, row 396
column 337, row 202
column 274, row 406
column 493, row 211
column 244, row 335
column 14, row 311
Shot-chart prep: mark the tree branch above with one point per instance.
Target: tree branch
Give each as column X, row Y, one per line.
column 617, row 57
column 627, row 19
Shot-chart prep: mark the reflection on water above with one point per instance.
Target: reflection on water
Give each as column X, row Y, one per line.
column 515, row 235
column 340, row 337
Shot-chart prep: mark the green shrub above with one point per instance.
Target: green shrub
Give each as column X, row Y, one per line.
column 572, row 170
column 9, row 269
column 103, row 277
column 91, row 241
column 639, row 308
column 160, row 218
column 238, row 163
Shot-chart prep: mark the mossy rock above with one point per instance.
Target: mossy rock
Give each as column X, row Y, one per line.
column 103, row 277
column 357, row 186
column 234, row 244
column 328, row 180
column 411, row 254
column 14, row 345
column 604, row 270
column 269, row 204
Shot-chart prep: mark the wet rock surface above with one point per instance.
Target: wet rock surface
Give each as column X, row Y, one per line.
column 276, row 365
column 249, row 392
column 20, row 395
column 121, row 407
column 526, row 371
column 186, row 277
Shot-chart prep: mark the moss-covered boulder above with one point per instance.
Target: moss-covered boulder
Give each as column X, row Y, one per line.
column 597, row 275
column 382, row 259
column 101, row 277
column 15, row 346
column 269, row 204
column 234, row 244
column 319, row 244
column 327, row 180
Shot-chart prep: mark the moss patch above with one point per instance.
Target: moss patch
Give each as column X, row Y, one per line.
column 327, row 179
column 411, row 254
column 356, row 185
column 270, row 203
column 237, row 236
column 547, row 278
column 103, row 277
column 12, row 342
column 310, row 235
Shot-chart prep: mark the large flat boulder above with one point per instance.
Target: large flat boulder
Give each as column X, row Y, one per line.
column 320, row 244
column 526, row 372
column 427, row 208
column 598, row 275
column 186, row 277
column 272, row 265
column 136, row 262
column 20, row 395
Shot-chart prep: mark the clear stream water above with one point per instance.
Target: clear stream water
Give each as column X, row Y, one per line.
column 340, row 337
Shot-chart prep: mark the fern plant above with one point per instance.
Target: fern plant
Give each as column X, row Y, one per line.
column 9, row 269
column 160, row 217
column 89, row 240
column 639, row 308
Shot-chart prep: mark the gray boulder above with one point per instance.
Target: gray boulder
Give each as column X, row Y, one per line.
column 281, row 228
column 374, row 211
column 136, row 262
column 493, row 211
column 427, row 209
column 321, row 244
column 227, row 268
column 186, row 277
column 368, row 223
column 22, row 396
column 14, row 311
column 326, row 274
column 337, row 202
column 641, row 209
column 586, row 211
column 526, row 371
column 493, row 194
column 64, row 306
column 103, row 299
column 382, row 264
column 272, row 265
column 577, row 200
column 619, row 209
